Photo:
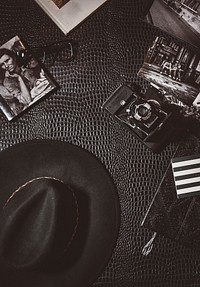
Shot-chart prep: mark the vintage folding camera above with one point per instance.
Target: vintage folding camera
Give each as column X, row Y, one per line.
column 143, row 115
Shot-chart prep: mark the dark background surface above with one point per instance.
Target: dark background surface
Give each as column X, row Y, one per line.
column 112, row 46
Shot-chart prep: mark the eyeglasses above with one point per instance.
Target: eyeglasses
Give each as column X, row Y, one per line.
column 60, row 51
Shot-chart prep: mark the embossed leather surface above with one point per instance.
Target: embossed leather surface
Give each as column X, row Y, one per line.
column 112, row 46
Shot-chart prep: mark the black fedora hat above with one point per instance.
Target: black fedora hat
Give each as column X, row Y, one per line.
column 59, row 215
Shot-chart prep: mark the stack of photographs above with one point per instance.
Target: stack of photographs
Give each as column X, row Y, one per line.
column 180, row 18
column 172, row 63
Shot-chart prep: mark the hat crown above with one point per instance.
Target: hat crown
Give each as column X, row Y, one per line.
column 38, row 224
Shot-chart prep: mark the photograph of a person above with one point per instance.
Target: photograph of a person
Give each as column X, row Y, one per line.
column 22, row 83
column 174, row 68
column 180, row 18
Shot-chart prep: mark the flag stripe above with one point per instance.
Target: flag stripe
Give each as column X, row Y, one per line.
column 186, row 167
column 188, row 190
column 186, row 172
column 187, row 185
column 189, row 171
column 188, row 180
column 187, row 176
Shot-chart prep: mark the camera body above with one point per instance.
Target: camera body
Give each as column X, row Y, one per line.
column 142, row 115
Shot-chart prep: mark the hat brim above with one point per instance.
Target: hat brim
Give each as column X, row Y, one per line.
column 98, row 201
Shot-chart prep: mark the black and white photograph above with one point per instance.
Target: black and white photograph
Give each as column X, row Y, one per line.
column 180, row 18
column 23, row 81
column 174, row 68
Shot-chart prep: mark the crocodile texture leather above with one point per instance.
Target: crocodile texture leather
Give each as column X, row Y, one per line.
column 112, row 46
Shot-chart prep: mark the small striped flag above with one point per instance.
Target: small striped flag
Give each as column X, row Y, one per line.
column 186, row 171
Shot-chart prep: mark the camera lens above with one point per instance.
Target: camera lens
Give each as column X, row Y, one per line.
column 142, row 111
